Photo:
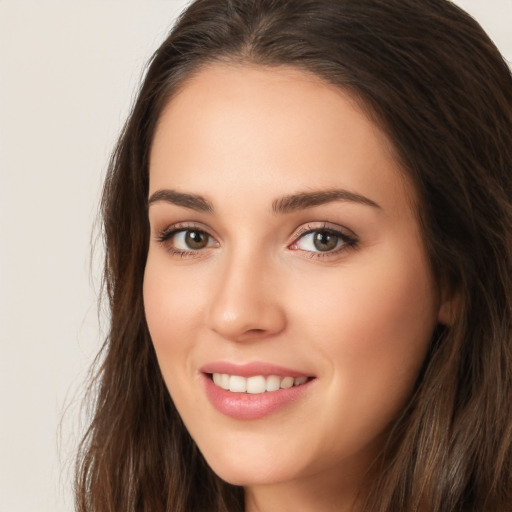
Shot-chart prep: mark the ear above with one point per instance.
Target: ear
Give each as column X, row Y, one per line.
column 449, row 307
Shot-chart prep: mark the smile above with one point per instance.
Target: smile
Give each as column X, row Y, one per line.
column 261, row 389
column 256, row 384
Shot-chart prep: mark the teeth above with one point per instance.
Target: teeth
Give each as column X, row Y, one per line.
column 224, row 381
column 299, row 380
column 273, row 383
column 257, row 384
column 237, row 384
column 287, row 382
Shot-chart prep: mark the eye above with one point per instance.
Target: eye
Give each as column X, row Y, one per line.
column 191, row 239
column 319, row 240
column 323, row 240
column 185, row 241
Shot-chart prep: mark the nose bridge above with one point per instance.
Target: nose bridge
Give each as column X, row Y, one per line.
column 245, row 303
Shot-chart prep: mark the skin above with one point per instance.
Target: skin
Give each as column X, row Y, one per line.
column 358, row 318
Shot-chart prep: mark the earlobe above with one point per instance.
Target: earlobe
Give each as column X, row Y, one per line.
column 449, row 308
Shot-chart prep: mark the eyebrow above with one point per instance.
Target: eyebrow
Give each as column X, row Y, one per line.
column 304, row 200
column 192, row 201
column 286, row 204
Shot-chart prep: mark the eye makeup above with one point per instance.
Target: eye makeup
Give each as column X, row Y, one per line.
column 314, row 240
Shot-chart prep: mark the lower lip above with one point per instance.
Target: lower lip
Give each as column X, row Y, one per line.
column 247, row 406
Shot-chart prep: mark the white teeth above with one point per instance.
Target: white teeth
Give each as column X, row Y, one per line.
column 224, row 381
column 256, row 384
column 273, row 383
column 237, row 384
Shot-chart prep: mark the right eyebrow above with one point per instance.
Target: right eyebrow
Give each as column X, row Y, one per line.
column 303, row 200
column 192, row 201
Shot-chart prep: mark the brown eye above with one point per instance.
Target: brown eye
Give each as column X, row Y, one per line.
column 183, row 240
column 325, row 240
column 195, row 239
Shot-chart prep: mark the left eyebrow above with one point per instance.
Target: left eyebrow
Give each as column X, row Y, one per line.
column 191, row 201
column 304, row 200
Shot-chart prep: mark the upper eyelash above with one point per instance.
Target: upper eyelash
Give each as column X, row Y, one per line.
column 168, row 232
column 350, row 241
column 164, row 235
column 304, row 230
column 308, row 228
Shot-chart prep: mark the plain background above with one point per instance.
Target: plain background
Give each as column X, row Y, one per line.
column 68, row 74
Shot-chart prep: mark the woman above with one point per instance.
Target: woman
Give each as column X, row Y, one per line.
column 308, row 227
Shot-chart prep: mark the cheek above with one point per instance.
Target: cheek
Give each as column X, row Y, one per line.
column 170, row 305
column 171, row 308
column 388, row 315
column 374, row 327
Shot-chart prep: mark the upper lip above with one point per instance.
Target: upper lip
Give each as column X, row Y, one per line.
column 251, row 369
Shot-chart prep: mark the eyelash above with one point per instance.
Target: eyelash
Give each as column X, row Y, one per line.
column 166, row 236
column 347, row 241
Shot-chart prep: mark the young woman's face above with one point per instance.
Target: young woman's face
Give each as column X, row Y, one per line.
column 285, row 251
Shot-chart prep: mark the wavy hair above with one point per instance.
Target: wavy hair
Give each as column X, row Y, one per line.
column 430, row 77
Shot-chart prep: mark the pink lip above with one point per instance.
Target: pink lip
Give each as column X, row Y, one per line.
column 251, row 369
column 245, row 406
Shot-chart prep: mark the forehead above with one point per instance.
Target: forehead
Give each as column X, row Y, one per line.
column 264, row 126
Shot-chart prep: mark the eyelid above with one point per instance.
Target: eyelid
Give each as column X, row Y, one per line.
column 324, row 225
column 348, row 238
column 170, row 229
column 165, row 236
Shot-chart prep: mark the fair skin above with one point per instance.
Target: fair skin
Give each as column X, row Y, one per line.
column 334, row 287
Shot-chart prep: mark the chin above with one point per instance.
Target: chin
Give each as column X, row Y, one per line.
column 247, row 477
column 250, row 472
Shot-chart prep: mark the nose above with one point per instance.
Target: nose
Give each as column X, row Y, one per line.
column 247, row 303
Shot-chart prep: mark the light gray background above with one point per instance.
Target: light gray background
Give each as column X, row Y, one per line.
column 68, row 73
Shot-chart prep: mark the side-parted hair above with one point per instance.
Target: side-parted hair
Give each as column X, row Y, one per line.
column 429, row 76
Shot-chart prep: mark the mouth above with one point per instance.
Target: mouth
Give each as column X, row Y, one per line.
column 255, row 390
column 256, row 384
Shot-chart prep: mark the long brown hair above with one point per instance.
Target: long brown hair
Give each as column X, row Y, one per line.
column 430, row 77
